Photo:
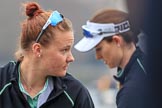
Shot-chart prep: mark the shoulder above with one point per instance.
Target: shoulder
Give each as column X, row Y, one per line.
column 138, row 68
column 78, row 92
column 75, row 87
column 71, row 81
column 6, row 70
column 137, row 76
column 7, row 67
column 137, row 65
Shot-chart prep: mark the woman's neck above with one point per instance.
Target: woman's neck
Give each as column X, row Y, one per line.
column 128, row 51
column 31, row 79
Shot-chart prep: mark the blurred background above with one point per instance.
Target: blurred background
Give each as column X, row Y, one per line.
column 93, row 74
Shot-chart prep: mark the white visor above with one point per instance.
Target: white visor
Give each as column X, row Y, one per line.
column 95, row 32
column 86, row 44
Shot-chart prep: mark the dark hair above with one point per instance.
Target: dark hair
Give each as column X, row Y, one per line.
column 114, row 16
column 31, row 27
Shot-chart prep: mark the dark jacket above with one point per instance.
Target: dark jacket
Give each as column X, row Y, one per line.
column 134, row 81
column 68, row 92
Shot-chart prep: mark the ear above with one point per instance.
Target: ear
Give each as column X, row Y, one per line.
column 117, row 39
column 36, row 48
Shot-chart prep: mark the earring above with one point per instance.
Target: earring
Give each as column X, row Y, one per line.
column 39, row 55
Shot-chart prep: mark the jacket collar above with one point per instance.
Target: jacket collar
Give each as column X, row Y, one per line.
column 58, row 82
column 123, row 73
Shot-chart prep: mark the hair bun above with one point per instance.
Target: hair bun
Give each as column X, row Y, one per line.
column 32, row 9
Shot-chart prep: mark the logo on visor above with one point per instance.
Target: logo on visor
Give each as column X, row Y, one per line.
column 87, row 34
column 122, row 27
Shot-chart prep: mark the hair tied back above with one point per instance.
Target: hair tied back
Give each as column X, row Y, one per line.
column 32, row 9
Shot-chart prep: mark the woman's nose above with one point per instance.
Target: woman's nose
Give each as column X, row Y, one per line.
column 70, row 57
column 98, row 56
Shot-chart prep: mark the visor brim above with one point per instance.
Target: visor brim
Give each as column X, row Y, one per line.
column 87, row 44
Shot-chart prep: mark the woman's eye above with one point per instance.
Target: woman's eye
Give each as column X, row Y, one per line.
column 64, row 50
column 98, row 49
